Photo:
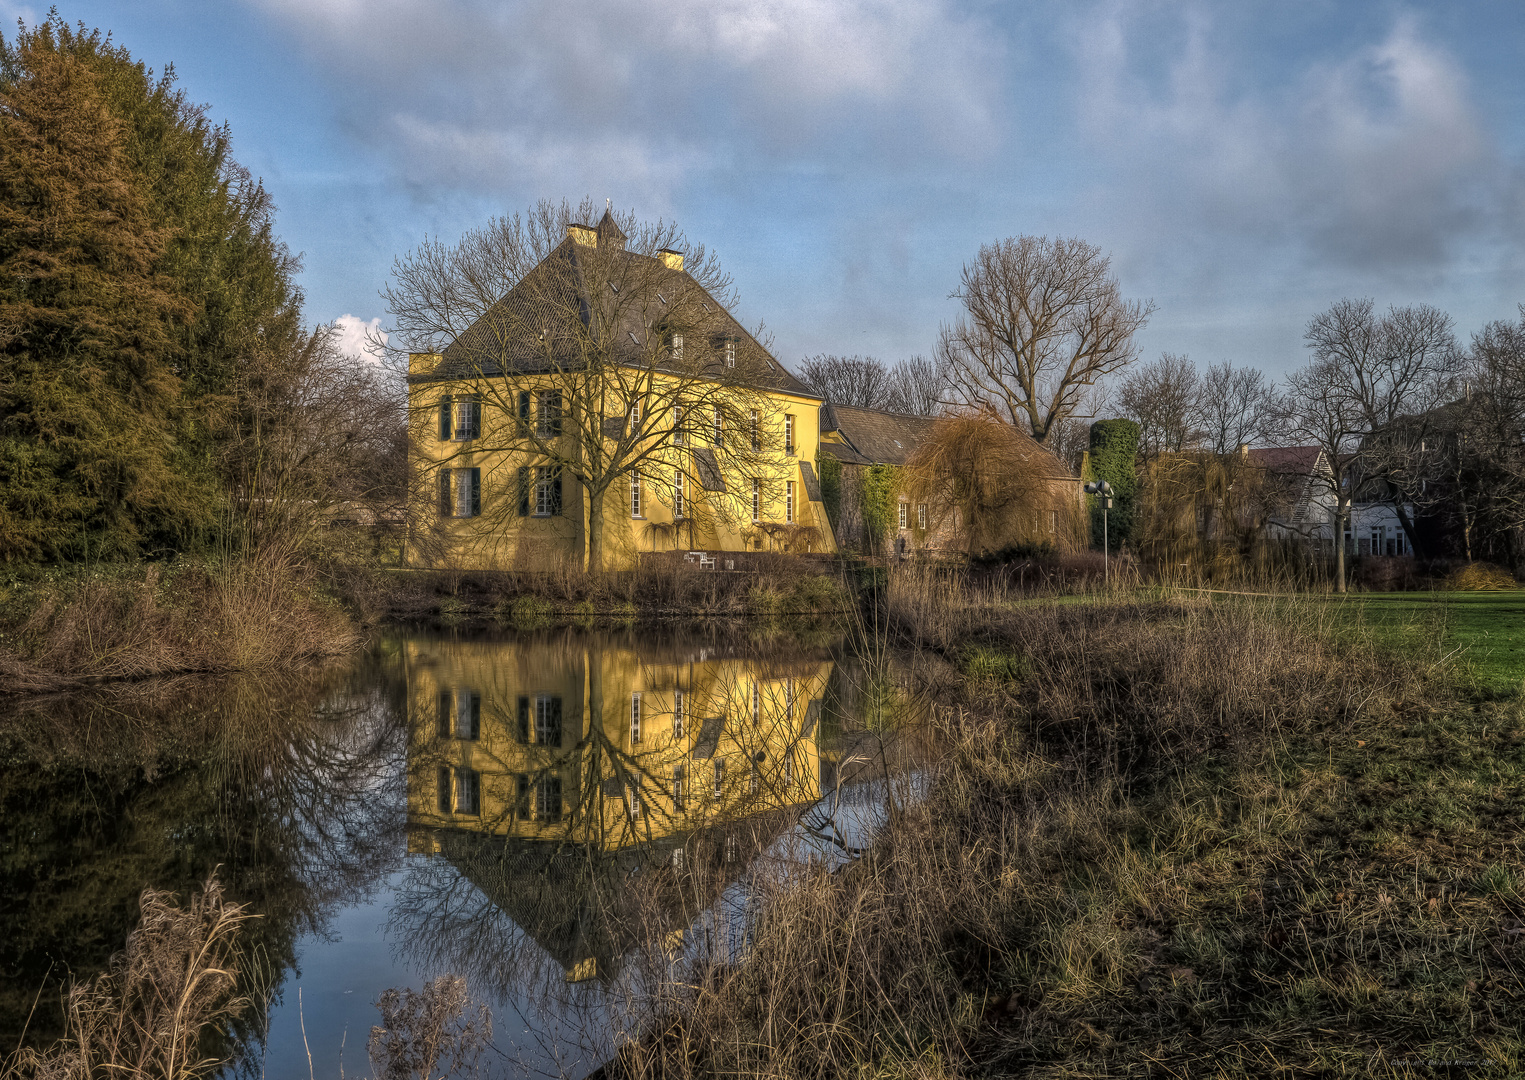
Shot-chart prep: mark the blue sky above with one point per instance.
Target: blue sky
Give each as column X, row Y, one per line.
column 1246, row 164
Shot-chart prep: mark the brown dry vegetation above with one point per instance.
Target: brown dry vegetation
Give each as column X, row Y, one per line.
column 762, row 583
column 57, row 630
column 144, row 1017
column 1177, row 838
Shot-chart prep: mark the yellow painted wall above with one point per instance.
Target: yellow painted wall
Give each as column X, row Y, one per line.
column 500, row 539
column 616, row 782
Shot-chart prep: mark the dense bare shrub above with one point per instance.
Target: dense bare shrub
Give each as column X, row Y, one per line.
column 438, row 1031
column 126, row 624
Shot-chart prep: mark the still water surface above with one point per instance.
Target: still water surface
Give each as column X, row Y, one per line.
column 563, row 818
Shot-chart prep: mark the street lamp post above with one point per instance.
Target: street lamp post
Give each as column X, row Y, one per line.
column 1103, row 489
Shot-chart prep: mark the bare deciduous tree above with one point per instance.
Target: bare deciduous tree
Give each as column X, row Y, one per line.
column 919, row 386
column 1044, row 321
column 615, row 357
column 859, row 381
column 1165, row 399
column 308, row 431
column 1368, row 372
column 1236, row 407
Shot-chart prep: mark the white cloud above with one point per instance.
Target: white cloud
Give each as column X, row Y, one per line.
column 353, row 336
column 607, row 95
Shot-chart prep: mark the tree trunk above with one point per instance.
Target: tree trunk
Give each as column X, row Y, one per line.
column 593, row 542
column 1406, row 520
column 1341, row 517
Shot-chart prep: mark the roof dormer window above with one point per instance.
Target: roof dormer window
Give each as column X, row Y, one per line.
column 730, row 352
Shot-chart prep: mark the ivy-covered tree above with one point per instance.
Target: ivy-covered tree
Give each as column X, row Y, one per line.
column 1112, row 457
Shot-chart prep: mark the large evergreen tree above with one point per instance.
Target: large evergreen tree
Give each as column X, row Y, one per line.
column 139, row 271
column 87, row 397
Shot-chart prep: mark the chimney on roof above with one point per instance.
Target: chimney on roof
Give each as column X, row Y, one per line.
column 671, row 259
column 1244, row 449
column 583, row 234
column 421, row 363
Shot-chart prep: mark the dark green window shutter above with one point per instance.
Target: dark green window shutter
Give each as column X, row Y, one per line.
column 444, row 417
column 524, row 719
column 474, row 418
column 556, row 491
column 522, row 802
column 524, row 491
column 553, row 411
column 444, row 790
column 476, row 492
column 476, row 716
column 444, row 492
column 444, row 714
column 525, row 405
column 555, row 735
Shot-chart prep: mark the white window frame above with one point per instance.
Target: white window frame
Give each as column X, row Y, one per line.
column 461, row 479
column 677, row 425
column 719, row 777
column 635, row 493
column 545, row 491
column 467, row 425
column 756, row 500
column 730, row 352
column 903, row 508
column 788, row 433
column 677, row 714
column 756, row 432
column 677, row 346
column 677, row 787
column 717, row 429
column 756, row 702
column 543, row 418
column 635, row 718
column 543, row 718
column 789, row 501
column 921, row 516
column 677, row 494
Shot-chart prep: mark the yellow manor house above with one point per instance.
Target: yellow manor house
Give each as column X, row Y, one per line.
column 606, row 405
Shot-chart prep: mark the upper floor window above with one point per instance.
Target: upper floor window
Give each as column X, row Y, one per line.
column 635, row 718
column 460, row 417
column 677, row 424
column 677, row 346
column 548, row 799
column 730, row 352
column 677, row 494
column 902, row 515
column 788, row 433
column 635, row 494
column 756, row 500
column 789, row 501
column 921, row 515
column 715, row 428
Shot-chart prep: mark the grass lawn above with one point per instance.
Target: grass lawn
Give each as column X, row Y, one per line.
column 1489, row 628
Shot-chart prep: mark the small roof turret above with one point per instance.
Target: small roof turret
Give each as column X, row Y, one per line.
column 610, row 233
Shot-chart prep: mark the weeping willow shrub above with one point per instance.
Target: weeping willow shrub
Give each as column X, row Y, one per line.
column 990, row 487
column 1204, row 516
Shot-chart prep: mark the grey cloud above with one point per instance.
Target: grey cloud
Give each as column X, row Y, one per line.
column 1377, row 163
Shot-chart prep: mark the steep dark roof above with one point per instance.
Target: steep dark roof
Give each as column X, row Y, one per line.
column 880, row 438
column 545, row 301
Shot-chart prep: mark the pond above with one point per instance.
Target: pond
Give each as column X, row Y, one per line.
column 563, row 818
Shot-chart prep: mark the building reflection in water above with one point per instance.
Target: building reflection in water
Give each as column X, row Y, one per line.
column 600, row 793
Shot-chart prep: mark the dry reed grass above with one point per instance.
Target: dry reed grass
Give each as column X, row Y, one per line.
column 136, row 623
column 144, row 1017
column 1151, row 845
